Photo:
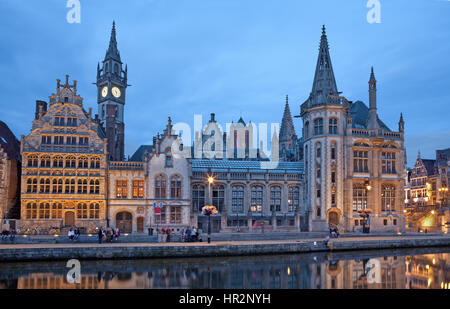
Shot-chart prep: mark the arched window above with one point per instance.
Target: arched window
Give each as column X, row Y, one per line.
column 94, row 187
column 56, row 211
column 275, row 198
column 44, row 211
column 70, row 186
column 71, row 162
column 31, row 211
column 318, row 126
column 293, row 198
column 388, row 197
column 175, row 186
column 83, row 162
column 32, row 185
column 333, row 151
column 257, row 199
column 32, row 161
column 82, row 186
column 169, row 161
column 318, row 150
column 237, row 204
column 45, row 161
column 44, row 185
column 82, row 211
column 198, row 197
column 94, row 211
column 333, row 126
column 57, row 186
column 95, row 162
column 218, row 197
column 160, row 186
column 58, row 161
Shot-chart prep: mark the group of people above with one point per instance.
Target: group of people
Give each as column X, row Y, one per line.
column 11, row 234
column 74, row 234
column 334, row 231
column 191, row 234
column 108, row 235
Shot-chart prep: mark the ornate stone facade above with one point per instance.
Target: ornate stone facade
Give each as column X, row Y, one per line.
column 353, row 162
column 64, row 166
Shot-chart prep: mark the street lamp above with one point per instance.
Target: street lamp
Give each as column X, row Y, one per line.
column 209, row 210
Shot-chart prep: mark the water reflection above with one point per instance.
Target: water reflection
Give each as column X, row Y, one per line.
column 413, row 269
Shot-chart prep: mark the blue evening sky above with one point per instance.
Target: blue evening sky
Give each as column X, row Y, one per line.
column 232, row 57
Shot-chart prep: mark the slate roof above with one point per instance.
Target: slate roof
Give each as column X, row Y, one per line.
column 138, row 156
column 244, row 166
column 430, row 166
column 9, row 142
column 360, row 112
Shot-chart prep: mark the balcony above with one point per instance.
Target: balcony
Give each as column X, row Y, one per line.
column 128, row 166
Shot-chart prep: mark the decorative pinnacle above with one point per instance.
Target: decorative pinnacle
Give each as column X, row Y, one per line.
column 324, row 30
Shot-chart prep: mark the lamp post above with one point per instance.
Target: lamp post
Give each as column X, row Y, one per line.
column 209, row 211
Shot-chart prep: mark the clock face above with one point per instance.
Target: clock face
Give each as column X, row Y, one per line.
column 104, row 91
column 116, row 92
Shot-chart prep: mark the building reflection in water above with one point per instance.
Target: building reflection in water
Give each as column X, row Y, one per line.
column 321, row 271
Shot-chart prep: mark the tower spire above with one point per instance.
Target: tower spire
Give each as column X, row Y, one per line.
column 287, row 130
column 372, row 119
column 324, row 80
column 113, row 51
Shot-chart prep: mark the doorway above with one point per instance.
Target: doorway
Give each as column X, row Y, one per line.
column 124, row 222
column 69, row 218
column 140, row 224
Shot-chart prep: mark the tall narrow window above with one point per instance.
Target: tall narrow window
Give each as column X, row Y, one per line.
column 82, row 211
column 237, row 203
column 175, row 215
column 160, row 186
column 56, row 211
column 218, row 197
column 275, row 198
column 293, row 198
column 257, row 199
column 333, row 151
column 94, row 211
column 359, row 197
column 198, row 197
column 388, row 198
column 175, row 186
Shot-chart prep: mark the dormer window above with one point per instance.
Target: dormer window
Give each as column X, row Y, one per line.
column 169, row 162
column 71, row 122
column 66, row 99
column 59, row 121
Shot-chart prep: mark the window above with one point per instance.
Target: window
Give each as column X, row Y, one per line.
column 318, row 126
column 257, row 199
column 175, row 186
column 359, row 197
column 82, row 186
column 160, row 186
column 44, row 185
column 46, row 140
column 388, row 198
column 218, row 197
column 59, row 121
column 83, row 162
column 306, row 129
column 333, row 199
column 388, row 162
column 56, row 211
column 94, row 187
column 333, row 126
column 71, row 140
column 32, row 161
column 318, row 172
column 84, row 141
column 58, row 140
column 198, row 197
column 333, row 151
column 318, row 150
column 169, row 162
column 161, row 218
column 360, row 161
column 82, row 211
column 32, row 185
column 175, row 215
column 58, row 162
column 333, row 177
column 71, row 162
column 94, row 211
column 45, row 161
column 237, row 203
column 31, row 211
column 121, row 189
column 95, row 163
column 138, row 189
column 275, row 198
column 293, row 198
column 70, row 186
column 57, row 186
column 44, row 211
column 71, row 122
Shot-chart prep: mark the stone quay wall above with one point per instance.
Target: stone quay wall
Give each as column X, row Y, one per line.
column 148, row 251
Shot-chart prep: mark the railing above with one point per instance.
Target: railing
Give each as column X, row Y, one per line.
column 376, row 133
column 134, row 166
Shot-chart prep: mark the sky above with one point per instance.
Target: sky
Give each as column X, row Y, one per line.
column 233, row 58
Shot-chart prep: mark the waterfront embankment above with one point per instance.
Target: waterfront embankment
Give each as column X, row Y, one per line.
column 91, row 251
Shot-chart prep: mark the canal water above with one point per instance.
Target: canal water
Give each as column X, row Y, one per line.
column 427, row 268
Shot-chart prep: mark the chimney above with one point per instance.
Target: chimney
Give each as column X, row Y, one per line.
column 213, row 117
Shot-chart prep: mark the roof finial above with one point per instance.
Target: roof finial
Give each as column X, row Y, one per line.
column 287, row 99
column 324, row 30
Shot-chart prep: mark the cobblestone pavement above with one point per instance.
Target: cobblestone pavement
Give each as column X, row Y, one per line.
column 213, row 243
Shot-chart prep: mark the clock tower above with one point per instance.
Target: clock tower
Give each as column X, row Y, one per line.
column 111, row 85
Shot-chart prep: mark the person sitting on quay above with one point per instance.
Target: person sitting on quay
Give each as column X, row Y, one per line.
column 117, row 234
column 168, row 231
column 71, row 234
column 76, row 234
column 187, row 235
column 182, row 234
column 4, row 235
column 12, row 234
